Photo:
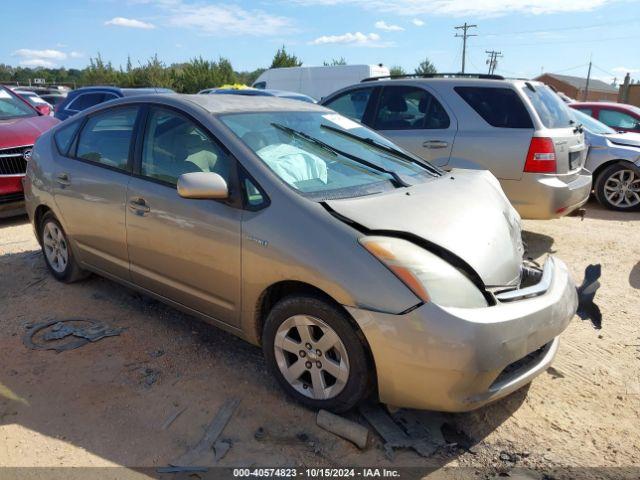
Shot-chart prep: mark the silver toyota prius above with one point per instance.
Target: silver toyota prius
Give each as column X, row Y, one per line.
column 360, row 269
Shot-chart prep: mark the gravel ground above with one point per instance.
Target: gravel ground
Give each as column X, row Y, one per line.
column 105, row 403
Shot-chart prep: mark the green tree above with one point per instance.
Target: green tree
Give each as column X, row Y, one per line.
column 282, row 59
column 335, row 62
column 426, row 67
column 397, row 70
column 100, row 72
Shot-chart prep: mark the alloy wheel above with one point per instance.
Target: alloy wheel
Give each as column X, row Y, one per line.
column 311, row 357
column 55, row 247
column 622, row 189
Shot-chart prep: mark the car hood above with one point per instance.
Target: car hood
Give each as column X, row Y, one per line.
column 18, row 132
column 625, row 139
column 464, row 212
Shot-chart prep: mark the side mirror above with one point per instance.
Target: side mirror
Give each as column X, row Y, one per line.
column 43, row 110
column 202, row 185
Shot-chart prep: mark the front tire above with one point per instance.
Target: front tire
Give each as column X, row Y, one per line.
column 618, row 187
column 57, row 251
column 315, row 353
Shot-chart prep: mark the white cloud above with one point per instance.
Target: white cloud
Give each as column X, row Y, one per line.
column 49, row 54
column 382, row 25
column 357, row 38
column 417, row 22
column 468, row 8
column 76, row 54
column 226, row 20
column 130, row 23
column 37, row 62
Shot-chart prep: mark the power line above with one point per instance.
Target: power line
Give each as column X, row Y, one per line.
column 561, row 29
column 464, row 37
column 599, row 40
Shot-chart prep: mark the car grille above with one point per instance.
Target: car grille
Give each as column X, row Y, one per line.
column 12, row 161
column 11, row 198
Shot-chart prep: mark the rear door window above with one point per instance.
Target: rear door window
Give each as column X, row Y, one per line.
column 86, row 100
column 553, row 112
column 499, row 107
column 352, row 104
column 106, row 138
column 64, row 137
column 409, row 108
column 617, row 119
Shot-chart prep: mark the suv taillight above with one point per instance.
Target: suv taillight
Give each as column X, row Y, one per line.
column 541, row 157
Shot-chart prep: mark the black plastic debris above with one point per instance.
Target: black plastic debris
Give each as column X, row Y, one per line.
column 424, row 436
column 209, row 449
column 587, row 308
column 64, row 335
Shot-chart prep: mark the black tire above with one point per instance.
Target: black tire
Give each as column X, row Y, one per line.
column 360, row 375
column 601, row 181
column 72, row 271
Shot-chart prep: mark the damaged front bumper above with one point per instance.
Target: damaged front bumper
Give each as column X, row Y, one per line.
column 459, row 359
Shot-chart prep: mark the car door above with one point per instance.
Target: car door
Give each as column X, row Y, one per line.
column 90, row 186
column 186, row 250
column 413, row 118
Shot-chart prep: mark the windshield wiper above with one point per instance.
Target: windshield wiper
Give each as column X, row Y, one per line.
column 380, row 146
column 296, row 133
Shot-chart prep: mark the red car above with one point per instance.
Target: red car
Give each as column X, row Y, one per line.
column 619, row 116
column 20, row 126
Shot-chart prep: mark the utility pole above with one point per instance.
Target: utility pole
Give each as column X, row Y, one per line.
column 492, row 61
column 464, row 36
column 586, row 88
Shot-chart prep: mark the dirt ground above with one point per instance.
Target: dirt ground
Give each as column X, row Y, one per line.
column 104, row 404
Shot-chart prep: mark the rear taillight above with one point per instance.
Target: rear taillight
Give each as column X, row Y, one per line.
column 541, row 157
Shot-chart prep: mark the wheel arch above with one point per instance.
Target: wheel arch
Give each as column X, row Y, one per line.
column 600, row 168
column 38, row 215
column 271, row 295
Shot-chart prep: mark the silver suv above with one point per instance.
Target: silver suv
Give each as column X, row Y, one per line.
column 519, row 130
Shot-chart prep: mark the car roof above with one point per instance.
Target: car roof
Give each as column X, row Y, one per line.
column 221, row 104
column 123, row 91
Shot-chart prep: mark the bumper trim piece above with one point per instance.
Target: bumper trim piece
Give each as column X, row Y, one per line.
column 534, row 290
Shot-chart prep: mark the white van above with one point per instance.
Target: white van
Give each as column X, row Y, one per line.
column 317, row 82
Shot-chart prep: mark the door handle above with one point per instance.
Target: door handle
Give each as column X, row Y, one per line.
column 435, row 144
column 139, row 206
column 63, row 179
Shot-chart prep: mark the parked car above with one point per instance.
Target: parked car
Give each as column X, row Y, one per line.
column 614, row 159
column 619, row 116
column 53, row 98
column 354, row 264
column 317, row 82
column 20, row 125
column 83, row 98
column 518, row 130
column 254, row 92
column 41, row 105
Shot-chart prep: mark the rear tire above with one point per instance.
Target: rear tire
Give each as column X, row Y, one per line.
column 57, row 251
column 617, row 187
column 315, row 353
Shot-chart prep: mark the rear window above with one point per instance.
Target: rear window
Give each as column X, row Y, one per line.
column 553, row 112
column 499, row 107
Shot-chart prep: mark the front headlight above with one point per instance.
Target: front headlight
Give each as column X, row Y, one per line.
column 427, row 275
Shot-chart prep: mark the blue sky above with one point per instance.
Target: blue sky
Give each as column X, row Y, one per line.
column 533, row 35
